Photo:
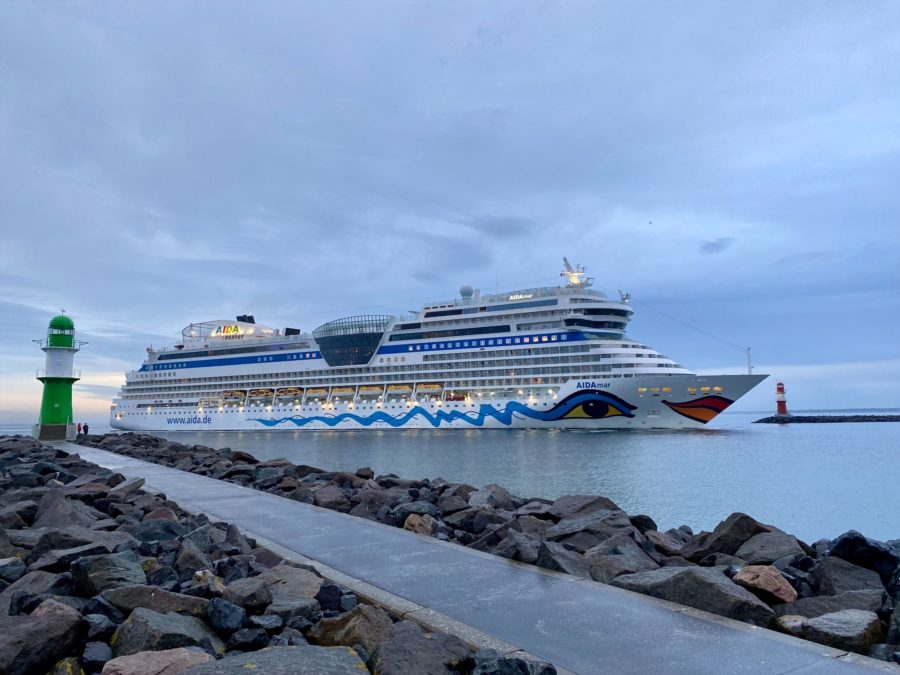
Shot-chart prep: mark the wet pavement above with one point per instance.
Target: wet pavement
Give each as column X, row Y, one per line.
column 578, row 625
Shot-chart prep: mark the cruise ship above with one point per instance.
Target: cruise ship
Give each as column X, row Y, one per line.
column 554, row 357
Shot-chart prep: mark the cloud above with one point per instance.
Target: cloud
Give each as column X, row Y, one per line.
column 716, row 245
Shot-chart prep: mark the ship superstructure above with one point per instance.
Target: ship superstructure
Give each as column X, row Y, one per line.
column 549, row 357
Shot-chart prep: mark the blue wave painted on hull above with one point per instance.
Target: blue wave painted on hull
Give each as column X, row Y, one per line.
column 587, row 404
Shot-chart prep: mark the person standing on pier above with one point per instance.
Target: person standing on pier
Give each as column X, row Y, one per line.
column 85, row 429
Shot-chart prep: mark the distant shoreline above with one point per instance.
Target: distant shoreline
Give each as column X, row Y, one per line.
column 825, row 419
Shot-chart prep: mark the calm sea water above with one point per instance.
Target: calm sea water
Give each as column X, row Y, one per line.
column 813, row 480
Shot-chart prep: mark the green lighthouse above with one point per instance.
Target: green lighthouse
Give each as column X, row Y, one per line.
column 56, row 422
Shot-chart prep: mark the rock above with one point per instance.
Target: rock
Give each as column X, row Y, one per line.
column 251, row 593
column 99, row 627
column 451, row 504
column 287, row 583
column 851, row 629
column 332, row 497
column 191, row 559
column 289, row 637
column 67, row 666
column 721, row 560
column 158, row 530
column 489, row 662
column 225, row 617
column 893, row 636
column 247, row 640
column 421, row 508
column 420, row 524
column 582, row 531
column 365, row 625
column 664, row 542
column 97, row 573
column 233, row 537
column 129, row 598
column 727, row 537
column 701, row 587
column 54, row 510
column 97, row 605
column 329, row 596
column 618, row 555
column 571, row 505
column 643, row 523
column 767, row 547
column 268, row 622
column 12, row 569
column 300, row 660
column 95, row 656
column 553, row 556
column 410, row 650
column 530, row 526
column 30, row 644
column 868, row 599
column 868, row 553
column 161, row 513
column 518, row 546
column 791, row 624
column 59, row 560
column 535, row 508
column 36, row 583
column 885, row 652
column 491, row 495
column 834, row 575
column 146, row 630
column 128, row 486
column 165, row 662
column 766, row 583
column 365, row 473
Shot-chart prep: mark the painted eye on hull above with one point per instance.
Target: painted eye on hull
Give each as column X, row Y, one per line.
column 593, row 410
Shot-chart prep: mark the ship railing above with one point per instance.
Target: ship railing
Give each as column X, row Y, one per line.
column 541, row 292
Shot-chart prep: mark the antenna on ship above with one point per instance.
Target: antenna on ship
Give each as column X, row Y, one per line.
column 576, row 277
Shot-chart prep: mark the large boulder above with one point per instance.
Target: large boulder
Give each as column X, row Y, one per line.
column 835, row 575
column 97, row 573
column 146, row 630
column 767, row 547
column 851, row 629
column 420, row 524
column 584, row 530
column 868, row 599
column 129, row 598
column 492, row 495
column 36, row 583
column 571, row 505
column 766, row 583
column 516, row 545
column 299, row 660
column 225, row 617
column 165, row 662
column 553, row 556
column 364, row 625
column 31, row 644
column 728, row 537
column 332, row 497
column 705, row 588
column 191, row 558
column 665, row 543
column 618, row 555
column 873, row 555
column 54, row 510
column 410, row 650
column 421, row 508
column 287, row 581
column 251, row 593
column 158, row 530
column 475, row 519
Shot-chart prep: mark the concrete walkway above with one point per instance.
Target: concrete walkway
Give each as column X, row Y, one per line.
column 578, row 625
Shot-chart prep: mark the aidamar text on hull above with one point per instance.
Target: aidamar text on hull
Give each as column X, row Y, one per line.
column 544, row 358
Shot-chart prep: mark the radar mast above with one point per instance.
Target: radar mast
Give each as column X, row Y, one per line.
column 576, row 277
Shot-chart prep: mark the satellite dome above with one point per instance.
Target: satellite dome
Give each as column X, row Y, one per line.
column 466, row 291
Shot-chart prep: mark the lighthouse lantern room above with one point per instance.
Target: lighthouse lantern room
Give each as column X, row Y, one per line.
column 56, row 422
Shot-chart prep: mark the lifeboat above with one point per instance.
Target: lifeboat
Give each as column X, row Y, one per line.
column 399, row 389
column 290, row 391
column 369, row 390
column 342, row 391
column 261, row 393
column 430, row 388
column 234, row 394
column 316, row 392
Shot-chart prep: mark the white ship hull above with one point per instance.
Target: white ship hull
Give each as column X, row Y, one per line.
column 640, row 402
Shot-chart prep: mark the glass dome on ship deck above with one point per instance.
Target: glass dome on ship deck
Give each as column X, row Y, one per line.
column 351, row 341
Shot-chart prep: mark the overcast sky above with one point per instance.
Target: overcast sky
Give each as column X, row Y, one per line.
column 735, row 167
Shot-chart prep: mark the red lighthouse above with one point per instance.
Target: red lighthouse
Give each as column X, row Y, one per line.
column 780, row 400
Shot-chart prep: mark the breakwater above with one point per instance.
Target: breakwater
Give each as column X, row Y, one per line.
column 825, row 419
column 97, row 574
column 840, row 592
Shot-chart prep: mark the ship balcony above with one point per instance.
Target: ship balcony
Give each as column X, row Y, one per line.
column 42, row 372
